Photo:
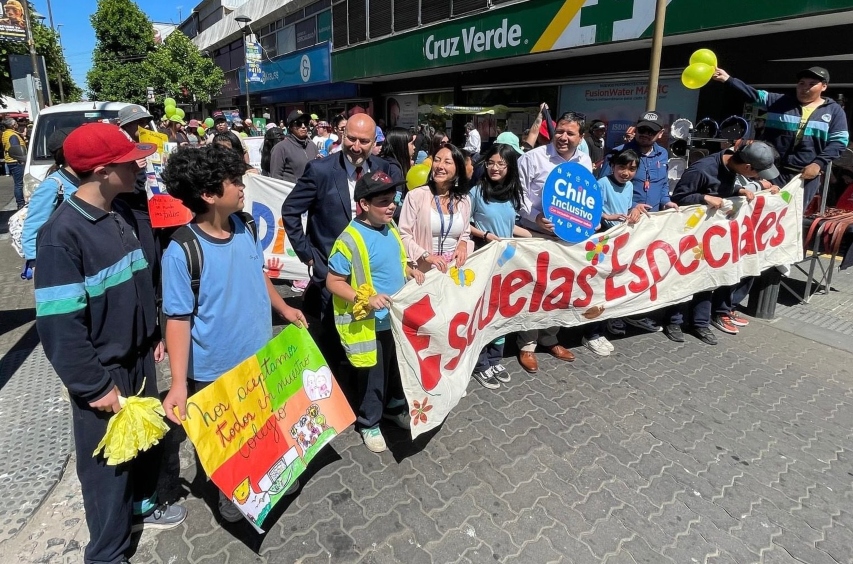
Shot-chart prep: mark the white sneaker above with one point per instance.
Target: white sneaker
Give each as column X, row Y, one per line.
column 600, row 346
column 374, row 440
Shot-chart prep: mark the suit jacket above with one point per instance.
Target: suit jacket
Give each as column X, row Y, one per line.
column 323, row 192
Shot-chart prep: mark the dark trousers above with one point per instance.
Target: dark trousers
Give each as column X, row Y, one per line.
column 701, row 310
column 17, row 172
column 594, row 330
column 491, row 355
column 109, row 492
column 317, row 304
column 728, row 298
column 379, row 383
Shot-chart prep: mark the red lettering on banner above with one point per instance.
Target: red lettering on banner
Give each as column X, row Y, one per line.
column 560, row 296
column 657, row 275
column 763, row 231
column 514, row 281
column 685, row 247
column 415, row 317
column 747, row 237
column 542, row 263
column 641, row 284
column 714, row 231
column 780, row 230
column 455, row 340
column 734, row 239
column 494, row 302
column 611, row 291
column 585, row 286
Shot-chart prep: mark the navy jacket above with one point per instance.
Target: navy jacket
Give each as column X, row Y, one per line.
column 95, row 308
column 825, row 135
column 705, row 176
column 653, row 170
column 323, row 192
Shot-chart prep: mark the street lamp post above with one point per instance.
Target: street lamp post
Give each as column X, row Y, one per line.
column 59, row 77
column 245, row 21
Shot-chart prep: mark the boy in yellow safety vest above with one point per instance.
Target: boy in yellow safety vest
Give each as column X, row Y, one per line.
column 366, row 266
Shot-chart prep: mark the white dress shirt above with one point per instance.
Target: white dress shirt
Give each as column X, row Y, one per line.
column 533, row 169
column 472, row 143
column 365, row 168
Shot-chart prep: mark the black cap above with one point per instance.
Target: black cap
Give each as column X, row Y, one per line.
column 597, row 124
column 220, row 119
column 295, row 115
column 819, row 73
column 374, row 183
column 650, row 119
column 57, row 138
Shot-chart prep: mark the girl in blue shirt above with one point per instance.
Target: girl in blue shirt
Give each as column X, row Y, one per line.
column 495, row 202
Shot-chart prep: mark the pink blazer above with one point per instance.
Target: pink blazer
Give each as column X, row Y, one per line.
column 415, row 222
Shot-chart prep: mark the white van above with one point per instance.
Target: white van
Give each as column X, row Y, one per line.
column 57, row 117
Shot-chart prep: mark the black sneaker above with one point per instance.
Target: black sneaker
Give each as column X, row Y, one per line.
column 227, row 510
column 486, row 379
column 163, row 517
column 501, row 374
column 674, row 333
column 705, row 335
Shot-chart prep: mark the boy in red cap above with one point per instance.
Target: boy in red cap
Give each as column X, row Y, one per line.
column 96, row 316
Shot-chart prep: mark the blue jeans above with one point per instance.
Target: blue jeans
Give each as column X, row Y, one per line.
column 17, row 172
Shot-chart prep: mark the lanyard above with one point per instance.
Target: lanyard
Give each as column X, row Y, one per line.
column 443, row 234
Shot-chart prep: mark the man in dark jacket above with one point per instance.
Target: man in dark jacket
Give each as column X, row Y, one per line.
column 806, row 129
column 325, row 191
column 595, row 141
column 290, row 155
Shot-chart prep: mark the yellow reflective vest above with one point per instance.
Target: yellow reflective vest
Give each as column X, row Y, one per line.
column 359, row 337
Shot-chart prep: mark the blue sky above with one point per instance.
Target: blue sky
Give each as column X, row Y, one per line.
column 78, row 37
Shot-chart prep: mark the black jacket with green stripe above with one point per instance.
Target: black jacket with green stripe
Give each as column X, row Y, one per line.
column 95, row 305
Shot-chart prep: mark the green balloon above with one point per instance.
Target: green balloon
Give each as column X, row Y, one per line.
column 169, row 102
column 417, row 176
column 208, row 122
column 179, row 113
column 170, row 110
column 200, row 131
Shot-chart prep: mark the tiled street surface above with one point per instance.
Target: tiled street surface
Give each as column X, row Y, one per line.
column 661, row 453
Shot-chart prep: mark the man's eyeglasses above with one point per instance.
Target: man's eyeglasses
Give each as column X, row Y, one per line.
column 496, row 166
column 645, row 131
column 299, row 124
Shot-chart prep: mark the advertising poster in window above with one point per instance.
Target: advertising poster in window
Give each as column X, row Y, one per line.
column 306, row 33
column 401, row 111
column 620, row 104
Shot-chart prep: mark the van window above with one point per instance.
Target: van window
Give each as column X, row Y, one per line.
column 48, row 123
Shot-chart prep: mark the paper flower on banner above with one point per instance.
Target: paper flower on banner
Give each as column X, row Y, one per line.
column 698, row 252
column 461, row 276
column 597, row 250
column 419, row 413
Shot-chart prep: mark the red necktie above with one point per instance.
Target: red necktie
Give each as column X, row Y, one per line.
column 358, row 171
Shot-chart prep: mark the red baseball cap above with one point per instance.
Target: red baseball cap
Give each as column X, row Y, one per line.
column 100, row 144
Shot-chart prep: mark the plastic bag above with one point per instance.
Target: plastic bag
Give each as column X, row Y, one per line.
column 137, row 427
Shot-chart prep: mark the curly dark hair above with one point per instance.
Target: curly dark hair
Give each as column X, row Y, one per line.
column 192, row 172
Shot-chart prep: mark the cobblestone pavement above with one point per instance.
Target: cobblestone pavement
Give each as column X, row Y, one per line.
column 661, row 453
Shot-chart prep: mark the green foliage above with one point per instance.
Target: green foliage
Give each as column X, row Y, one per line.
column 47, row 45
column 177, row 65
column 124, row 37
column 126, row 60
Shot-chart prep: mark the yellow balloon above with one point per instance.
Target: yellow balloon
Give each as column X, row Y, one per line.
column 705, row 56
column 417, row 176
column 697, row 75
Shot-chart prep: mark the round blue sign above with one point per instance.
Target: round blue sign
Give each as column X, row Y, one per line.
column 571, row 201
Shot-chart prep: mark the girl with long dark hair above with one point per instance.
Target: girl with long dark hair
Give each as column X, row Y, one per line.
column 271, row 137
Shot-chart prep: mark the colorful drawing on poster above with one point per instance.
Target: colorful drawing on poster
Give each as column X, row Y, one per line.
column 258, row 426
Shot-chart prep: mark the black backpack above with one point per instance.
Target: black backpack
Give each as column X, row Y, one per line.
column 188, row 240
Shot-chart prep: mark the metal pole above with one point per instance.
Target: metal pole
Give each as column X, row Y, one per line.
column 657, row 47
column 246, row 55
column 33, row 60
column 59, row 38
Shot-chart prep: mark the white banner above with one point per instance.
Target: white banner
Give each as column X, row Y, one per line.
column 254, row 145
column 263, row 198
column 517, row 284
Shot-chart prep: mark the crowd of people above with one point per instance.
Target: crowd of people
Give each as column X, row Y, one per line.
column 102, row 269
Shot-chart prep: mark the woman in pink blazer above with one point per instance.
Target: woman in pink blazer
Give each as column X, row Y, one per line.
column 435, row 223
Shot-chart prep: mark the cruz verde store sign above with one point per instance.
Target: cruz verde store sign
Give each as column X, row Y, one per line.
column 538, row 26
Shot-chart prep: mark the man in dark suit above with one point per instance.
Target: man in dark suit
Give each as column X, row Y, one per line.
column 325, row 191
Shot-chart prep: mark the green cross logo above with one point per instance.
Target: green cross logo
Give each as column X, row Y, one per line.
column 604, row 14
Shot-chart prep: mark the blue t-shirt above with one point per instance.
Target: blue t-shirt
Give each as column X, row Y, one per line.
column 383, row 253
column 234, row 318
column 497, row 217
column 617, row 198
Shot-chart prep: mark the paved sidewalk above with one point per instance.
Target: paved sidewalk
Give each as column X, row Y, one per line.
column 661, row 453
